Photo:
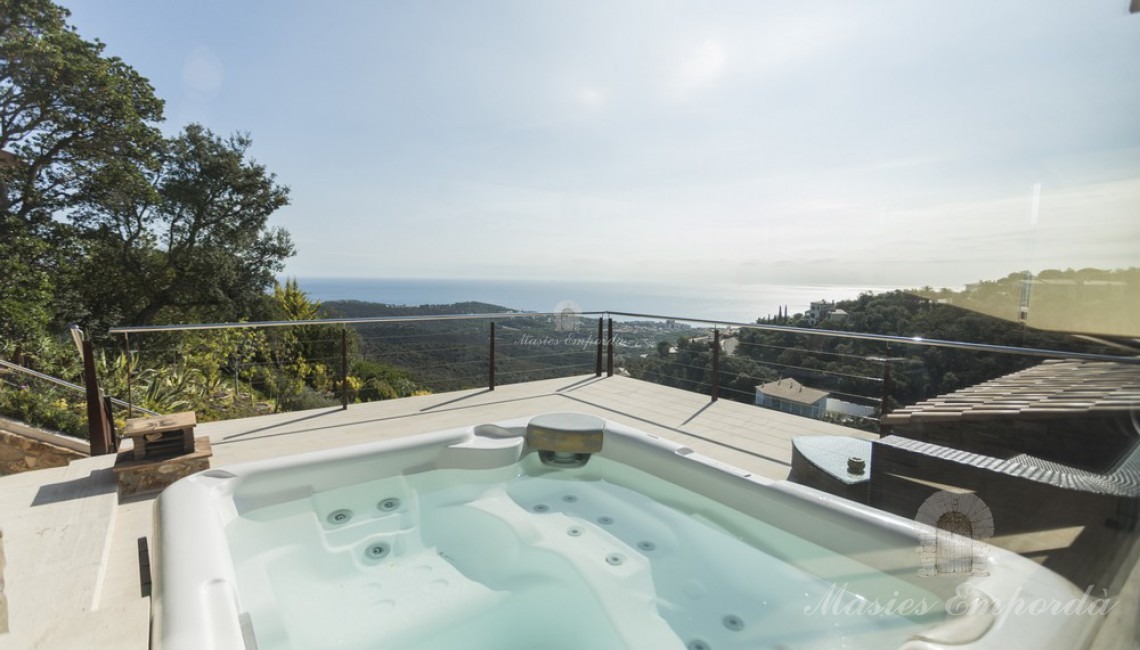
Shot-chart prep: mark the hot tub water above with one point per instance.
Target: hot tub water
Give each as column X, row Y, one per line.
column 528, row 557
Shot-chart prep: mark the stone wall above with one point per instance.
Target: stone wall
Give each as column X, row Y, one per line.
column 143, row 476
column 21, row 453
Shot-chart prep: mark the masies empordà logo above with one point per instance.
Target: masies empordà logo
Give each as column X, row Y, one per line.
column 571, row 329
column 567, row 316
column 952, row 529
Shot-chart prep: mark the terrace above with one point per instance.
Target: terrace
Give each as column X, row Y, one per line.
column 72, row 576
column 77, row 565
column 721, row 158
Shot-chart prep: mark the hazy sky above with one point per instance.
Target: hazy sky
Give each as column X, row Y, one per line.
column 879, row 143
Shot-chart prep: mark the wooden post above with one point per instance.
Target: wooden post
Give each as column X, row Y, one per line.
column 98, row 432
column 491, row 361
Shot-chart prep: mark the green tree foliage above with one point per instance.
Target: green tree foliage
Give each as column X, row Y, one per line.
column 314, row 342
column 452, row 355
column 688, row 365
column 376, row 381
column 192, row 241
column 67, row 113
column 38, row 402
column 102, row 220
column 852, row 369
column 299, row 367
column 66, row 110
column 299, row 362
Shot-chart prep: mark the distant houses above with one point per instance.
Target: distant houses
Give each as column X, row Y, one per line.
column 822, row 310
column 790, row 396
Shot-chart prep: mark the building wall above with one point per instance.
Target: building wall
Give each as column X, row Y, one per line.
column 806, row 410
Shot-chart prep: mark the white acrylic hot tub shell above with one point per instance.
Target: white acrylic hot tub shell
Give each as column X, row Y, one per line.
column 195, row 604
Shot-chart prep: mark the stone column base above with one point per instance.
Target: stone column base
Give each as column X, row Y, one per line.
column 142, row 476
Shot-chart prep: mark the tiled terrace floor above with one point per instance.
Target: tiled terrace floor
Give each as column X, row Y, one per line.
column 72, row 574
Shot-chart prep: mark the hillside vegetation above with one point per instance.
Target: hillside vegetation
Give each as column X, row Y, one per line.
column 854, row 369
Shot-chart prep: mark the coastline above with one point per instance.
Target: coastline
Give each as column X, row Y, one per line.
column 729, row 303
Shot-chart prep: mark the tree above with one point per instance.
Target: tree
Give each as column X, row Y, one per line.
column 192, row 240
column 320, row 343
column 67, row 113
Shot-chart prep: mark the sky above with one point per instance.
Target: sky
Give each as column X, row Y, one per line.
column 895, row 143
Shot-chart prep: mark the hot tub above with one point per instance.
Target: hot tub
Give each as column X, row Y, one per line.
column 466, row 540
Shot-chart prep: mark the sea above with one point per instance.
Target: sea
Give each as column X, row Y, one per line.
column 724, row 303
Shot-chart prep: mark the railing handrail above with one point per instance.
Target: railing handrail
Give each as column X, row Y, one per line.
column 68, row 385
column 39, row 375
column 788, row 329
column 888, row 338
column 134, row 329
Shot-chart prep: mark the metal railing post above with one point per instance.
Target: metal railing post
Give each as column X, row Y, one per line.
column 610, row 350
column 715, row 366
column 343, row 367
column 885, row 398
column 598, row 364
column 491, row 361
column 130, row 389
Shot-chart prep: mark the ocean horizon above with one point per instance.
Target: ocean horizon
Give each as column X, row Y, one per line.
column 728, row 303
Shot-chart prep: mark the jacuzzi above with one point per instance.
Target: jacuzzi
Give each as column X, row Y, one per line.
column 466, row 539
